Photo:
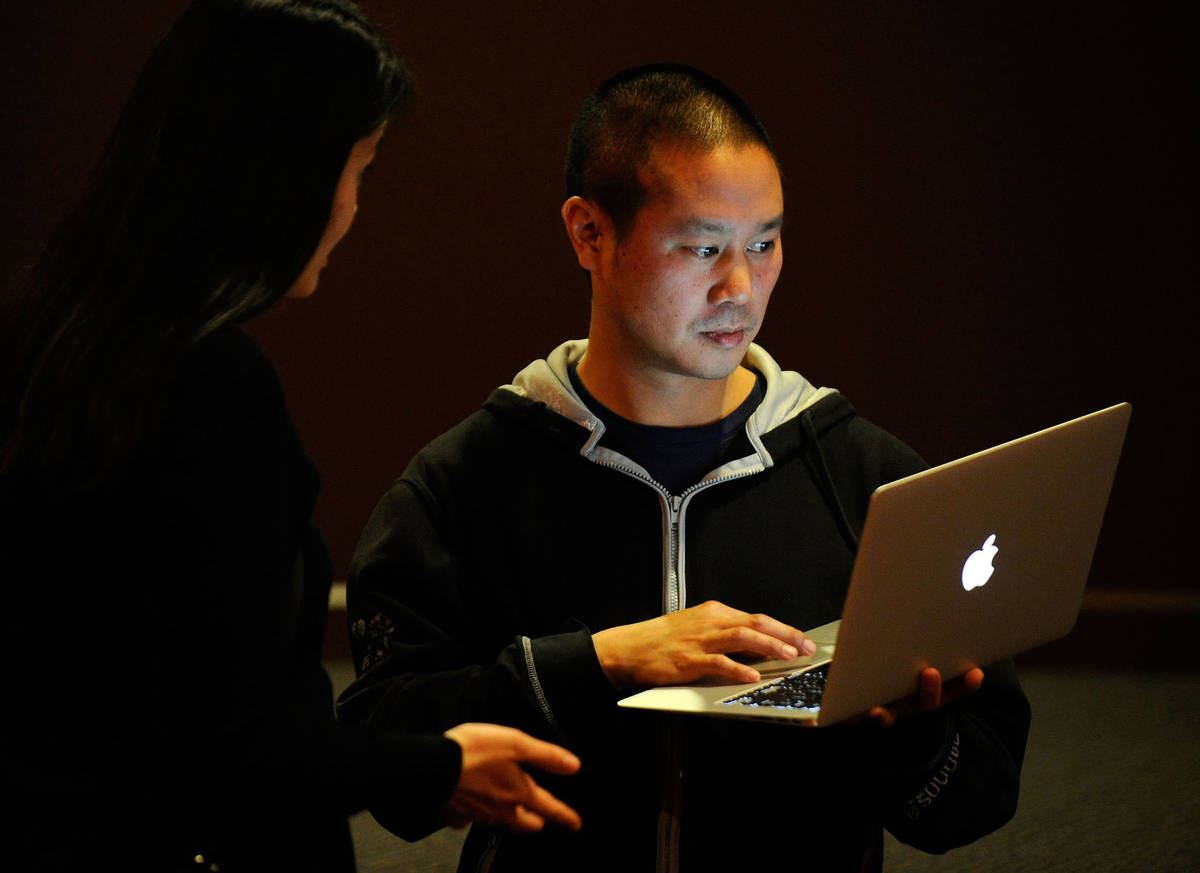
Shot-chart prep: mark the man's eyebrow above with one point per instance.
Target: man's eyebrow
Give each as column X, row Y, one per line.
column 707, row 225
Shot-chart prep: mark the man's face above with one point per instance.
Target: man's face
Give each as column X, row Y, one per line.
column 685, row 288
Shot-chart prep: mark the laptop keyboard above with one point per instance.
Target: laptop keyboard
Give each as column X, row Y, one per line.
column 798, row 691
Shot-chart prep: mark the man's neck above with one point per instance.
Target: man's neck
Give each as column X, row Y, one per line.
column 664, row 399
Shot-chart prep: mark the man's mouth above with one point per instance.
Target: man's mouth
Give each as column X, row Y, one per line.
column 725, row 337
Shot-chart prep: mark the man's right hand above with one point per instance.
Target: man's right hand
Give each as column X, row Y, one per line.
column 692, row 643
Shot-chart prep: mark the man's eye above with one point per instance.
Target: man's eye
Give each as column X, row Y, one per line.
column 762, row 247
column 706, row 251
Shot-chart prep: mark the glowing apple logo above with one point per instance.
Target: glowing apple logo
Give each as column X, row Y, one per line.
column 978, row 567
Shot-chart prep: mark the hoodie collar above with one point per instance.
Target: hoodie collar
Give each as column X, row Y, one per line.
column 547, row 381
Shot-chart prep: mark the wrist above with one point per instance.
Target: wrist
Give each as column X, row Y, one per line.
column 608, row 653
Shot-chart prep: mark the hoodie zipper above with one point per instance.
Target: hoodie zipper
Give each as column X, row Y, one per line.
column 674, row 579
column 674, row 595
column 674, row 599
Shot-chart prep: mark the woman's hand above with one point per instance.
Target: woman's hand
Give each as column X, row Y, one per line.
column 493, row 787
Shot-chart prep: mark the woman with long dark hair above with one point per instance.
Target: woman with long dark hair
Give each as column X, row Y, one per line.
column 166, row 589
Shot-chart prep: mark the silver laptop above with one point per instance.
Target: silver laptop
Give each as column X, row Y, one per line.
column 959, row 565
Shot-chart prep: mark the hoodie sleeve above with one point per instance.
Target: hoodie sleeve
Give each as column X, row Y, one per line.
column 949, row 777
column 421, row 641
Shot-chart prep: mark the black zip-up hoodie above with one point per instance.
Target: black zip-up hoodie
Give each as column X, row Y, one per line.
column 508, row 540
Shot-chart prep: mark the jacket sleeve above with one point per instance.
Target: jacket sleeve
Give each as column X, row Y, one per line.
column 423, row 637
column 949, row 777
column 244, row 579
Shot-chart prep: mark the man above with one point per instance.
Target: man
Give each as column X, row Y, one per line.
column 541, row 559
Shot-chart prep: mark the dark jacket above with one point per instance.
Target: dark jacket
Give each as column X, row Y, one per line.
column 164, row 633
column 485, row 568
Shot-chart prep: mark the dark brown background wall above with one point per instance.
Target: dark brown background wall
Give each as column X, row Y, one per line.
column 991, row 220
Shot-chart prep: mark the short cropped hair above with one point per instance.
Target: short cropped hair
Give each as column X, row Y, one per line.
column 620, row 123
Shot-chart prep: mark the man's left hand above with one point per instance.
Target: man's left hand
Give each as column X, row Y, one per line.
column 931, row 694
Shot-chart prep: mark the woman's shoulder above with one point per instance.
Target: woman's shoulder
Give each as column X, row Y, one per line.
column 225, row 392
column 227, row 361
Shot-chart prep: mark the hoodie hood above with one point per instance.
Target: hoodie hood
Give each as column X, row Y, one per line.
column 787, row 395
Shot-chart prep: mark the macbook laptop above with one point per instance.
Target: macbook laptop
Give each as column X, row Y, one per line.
column 960, row 565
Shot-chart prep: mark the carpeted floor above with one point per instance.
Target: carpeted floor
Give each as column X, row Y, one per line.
column 1111, row 784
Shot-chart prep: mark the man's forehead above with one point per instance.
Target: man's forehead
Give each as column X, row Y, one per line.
column 713, row 190
column 666, row 154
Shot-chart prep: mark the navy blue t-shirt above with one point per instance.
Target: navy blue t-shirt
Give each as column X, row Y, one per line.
column 676, row 457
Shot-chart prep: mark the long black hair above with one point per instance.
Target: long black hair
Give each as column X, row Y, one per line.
column 208, row 202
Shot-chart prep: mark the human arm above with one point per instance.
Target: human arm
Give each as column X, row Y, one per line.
column 444, row 632
column 442, row 636
column 256, row 576
column 234, row 581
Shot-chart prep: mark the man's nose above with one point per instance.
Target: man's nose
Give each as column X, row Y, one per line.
column 734, row 286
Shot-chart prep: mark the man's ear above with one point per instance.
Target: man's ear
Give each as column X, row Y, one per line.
column 588, row 228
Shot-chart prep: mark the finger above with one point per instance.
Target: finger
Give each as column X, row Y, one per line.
column 881, row 716
column 545, row 756
column 546, row 804
column 722, row 666
column 929, row 688
column 751, row 641
column 888, row 714
column 784, row 633
column 522, row 820
column 968, row 683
